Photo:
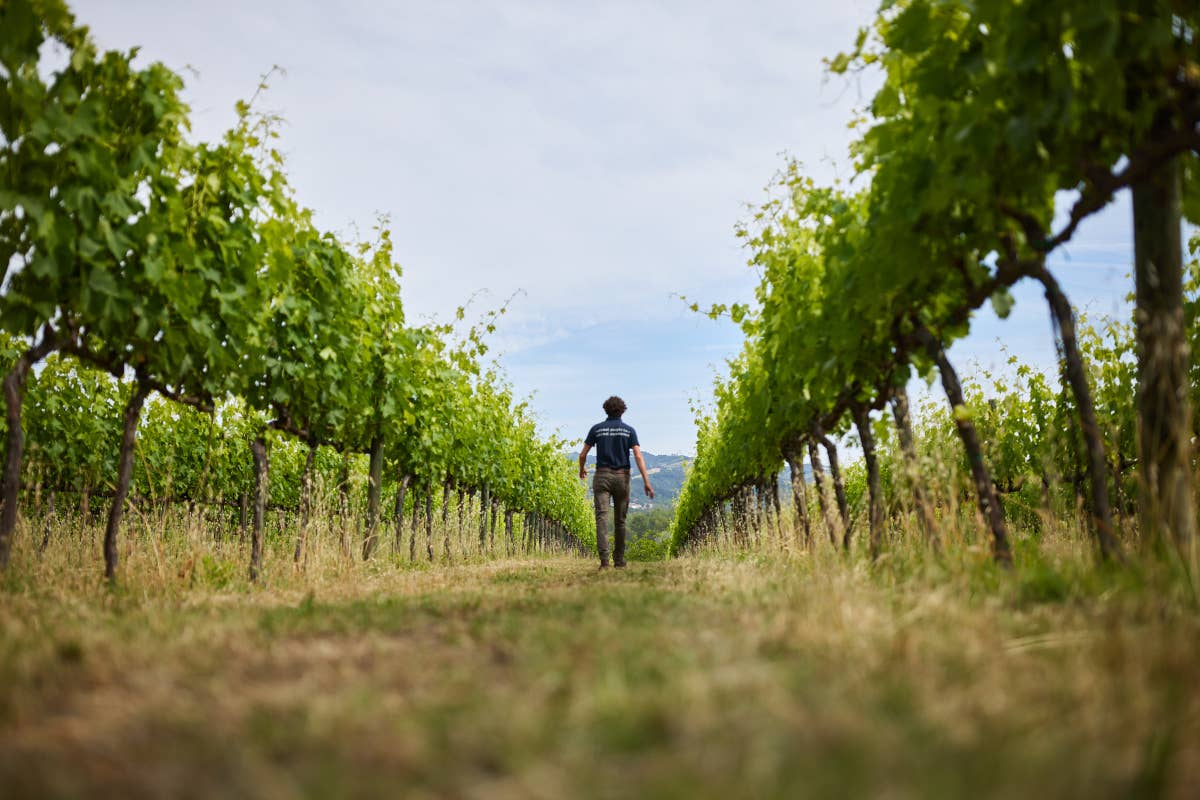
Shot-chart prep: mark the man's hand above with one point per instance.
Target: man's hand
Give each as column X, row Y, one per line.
column 582, row 472
column 649, row 490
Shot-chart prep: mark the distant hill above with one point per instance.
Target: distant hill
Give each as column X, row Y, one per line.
column 666, row 476
column 667, row 473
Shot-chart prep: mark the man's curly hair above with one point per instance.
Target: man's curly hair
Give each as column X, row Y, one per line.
column 614, row 406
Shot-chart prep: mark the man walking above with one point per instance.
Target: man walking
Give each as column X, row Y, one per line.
column 613, row 440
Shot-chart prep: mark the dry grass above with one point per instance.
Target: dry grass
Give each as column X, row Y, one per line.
column 772, row 673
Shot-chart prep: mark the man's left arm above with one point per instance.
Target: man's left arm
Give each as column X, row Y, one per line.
column 641, row 462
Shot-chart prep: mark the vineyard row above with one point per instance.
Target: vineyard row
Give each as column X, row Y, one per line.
column 140, row 264
column 988, row 114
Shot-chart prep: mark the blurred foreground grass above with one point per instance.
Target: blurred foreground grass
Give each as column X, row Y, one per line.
column 731, row 676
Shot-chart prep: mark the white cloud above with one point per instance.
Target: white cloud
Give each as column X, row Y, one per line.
column 553, row 147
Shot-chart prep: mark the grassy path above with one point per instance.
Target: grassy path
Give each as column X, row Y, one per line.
column 541, row 678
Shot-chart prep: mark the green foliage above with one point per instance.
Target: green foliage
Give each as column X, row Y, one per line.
column 651, row 522
column 987, row 111
column 647, row 549
column 191, row 268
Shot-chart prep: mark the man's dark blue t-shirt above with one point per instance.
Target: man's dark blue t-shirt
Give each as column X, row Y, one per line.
column 612, row 439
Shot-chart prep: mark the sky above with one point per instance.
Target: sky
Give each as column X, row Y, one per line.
column 586, row 162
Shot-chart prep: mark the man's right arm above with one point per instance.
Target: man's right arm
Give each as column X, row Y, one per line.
column 583, row 461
